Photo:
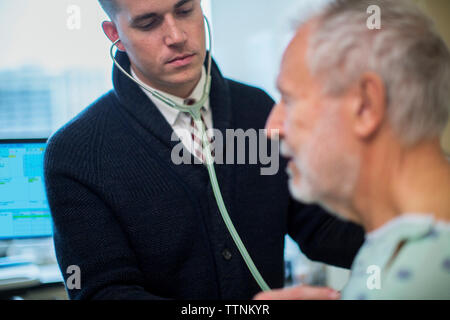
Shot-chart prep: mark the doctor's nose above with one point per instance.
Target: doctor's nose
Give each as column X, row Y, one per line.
column 174, row 34
column 275, row 122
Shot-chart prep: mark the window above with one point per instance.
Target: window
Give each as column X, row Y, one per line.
column 54, row 62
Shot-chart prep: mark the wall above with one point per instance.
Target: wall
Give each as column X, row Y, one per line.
column 439, row 10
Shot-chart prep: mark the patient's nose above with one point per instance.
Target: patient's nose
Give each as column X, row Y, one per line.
column 275, row 122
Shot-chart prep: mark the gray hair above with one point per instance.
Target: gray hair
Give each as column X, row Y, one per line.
column 407, row 53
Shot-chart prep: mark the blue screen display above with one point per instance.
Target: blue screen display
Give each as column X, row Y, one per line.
column 24, row 210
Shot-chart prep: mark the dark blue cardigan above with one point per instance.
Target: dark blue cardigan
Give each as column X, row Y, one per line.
column 140, row 227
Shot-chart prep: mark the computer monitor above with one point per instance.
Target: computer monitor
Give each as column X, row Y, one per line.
column 24, row 210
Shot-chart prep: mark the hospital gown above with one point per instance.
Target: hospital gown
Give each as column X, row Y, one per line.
column 420, row 269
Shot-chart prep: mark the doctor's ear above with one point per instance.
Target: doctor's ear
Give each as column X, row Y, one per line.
column 109, row 28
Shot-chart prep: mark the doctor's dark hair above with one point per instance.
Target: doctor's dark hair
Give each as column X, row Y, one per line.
column 110, row 7
column 407, row 52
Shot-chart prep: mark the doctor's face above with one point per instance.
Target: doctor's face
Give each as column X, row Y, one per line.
column 322, row 167
column 165, row 41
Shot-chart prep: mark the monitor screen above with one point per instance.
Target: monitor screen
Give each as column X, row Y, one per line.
column 24, row 210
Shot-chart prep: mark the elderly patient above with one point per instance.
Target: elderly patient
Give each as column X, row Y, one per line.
column 360, row 116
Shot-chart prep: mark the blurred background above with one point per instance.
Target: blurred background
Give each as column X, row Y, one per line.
column 55, row 62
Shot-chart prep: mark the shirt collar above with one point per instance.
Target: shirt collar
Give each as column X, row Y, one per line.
column 407, row 226
column 171, row 114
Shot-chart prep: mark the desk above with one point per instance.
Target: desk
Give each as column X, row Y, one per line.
column 46, row 285
column 53, row 291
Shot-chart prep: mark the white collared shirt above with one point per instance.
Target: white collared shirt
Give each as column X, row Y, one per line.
column 180, row 121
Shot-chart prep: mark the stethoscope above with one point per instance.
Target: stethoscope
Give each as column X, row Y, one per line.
column 195, row 111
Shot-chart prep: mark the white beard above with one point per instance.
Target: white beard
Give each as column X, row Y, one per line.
column 302, row 191
column 328, row 172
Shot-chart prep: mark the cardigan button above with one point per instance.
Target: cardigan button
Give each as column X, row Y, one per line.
column 227, row 255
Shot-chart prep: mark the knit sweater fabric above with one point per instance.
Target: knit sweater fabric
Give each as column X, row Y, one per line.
column 141, row 227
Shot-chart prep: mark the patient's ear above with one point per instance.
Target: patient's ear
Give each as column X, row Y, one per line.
column 369, row 106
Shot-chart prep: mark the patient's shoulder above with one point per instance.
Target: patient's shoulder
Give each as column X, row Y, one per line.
column 421, row 270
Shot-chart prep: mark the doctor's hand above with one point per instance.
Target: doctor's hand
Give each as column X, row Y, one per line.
column 301, row 292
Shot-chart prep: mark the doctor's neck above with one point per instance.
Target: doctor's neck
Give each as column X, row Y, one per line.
column 180, row 89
